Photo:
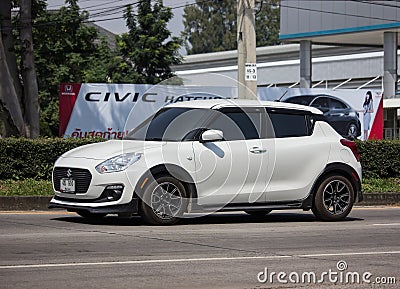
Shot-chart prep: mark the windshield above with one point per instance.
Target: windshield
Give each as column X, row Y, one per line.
column 171, row 124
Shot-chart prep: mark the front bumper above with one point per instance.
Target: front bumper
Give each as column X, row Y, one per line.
column 130, row 208
column 94, row 199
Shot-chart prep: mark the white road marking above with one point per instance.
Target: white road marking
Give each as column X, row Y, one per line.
column 387, row 224
column 138, row 262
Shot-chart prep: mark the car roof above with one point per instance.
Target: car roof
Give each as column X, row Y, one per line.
column 220, row 103
column 313, row 96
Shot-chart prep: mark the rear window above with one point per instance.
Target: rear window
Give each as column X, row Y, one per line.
column 290, row 123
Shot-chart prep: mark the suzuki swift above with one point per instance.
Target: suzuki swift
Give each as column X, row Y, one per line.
column 214, row 155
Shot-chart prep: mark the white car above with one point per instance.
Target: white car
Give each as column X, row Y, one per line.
column 214, row 155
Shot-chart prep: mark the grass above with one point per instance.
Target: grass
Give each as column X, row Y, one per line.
column 31, row 187
column 26, row 187
column 391, row 185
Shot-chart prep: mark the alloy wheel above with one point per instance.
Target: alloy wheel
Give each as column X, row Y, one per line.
column 166, row 200
column 336, row 197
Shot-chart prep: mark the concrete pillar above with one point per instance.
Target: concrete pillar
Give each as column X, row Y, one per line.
column 305, row 64
column 390, row 64
column 246, row 48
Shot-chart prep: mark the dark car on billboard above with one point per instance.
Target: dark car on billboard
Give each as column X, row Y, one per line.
column 340, row 115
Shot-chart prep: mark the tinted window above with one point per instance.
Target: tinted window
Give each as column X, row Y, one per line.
column 337, row 104
column 303, row 100
column 289, row 125
column 321, row 102
column 237, row 124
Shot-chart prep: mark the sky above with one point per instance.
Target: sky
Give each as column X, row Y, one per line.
column 106, row 9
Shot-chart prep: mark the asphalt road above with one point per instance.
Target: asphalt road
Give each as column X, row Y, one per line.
column 62, row 250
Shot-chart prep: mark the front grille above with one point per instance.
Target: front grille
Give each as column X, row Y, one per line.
column 82, row 178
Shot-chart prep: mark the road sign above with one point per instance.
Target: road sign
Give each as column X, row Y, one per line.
column 251, row 72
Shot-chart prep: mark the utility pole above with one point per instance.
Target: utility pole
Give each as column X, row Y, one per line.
column 28, row 71
column 247, row 69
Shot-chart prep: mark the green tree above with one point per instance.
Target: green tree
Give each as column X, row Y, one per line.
column 267, row 22
column 66, row 50
column 210, row 26
column 19, row 103
column 147, row 50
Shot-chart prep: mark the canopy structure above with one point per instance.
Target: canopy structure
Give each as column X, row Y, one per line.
column 349, row 23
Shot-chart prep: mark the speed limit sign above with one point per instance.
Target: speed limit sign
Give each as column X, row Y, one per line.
column 251, row 72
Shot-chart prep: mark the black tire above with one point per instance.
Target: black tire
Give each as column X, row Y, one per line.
column 334, row 199
column 91, row 216
column 258, row 213
column 352, row 131
column 164, row 201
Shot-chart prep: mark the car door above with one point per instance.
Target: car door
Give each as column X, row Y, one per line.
column 323, row 104
column 340, row 115
column 301, row 154
column 233, row 170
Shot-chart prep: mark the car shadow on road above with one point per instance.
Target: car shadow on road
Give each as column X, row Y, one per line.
column 216, row 218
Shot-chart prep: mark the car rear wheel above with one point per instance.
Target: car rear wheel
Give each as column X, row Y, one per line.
column 334, row 199
column 258, row 213
column 164, row 201
column 352, row 131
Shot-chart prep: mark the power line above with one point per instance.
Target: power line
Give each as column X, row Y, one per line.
column 377, row 4
column 109, row 11
column 338, row 13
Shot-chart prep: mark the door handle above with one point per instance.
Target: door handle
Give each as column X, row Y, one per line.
column 257, row 150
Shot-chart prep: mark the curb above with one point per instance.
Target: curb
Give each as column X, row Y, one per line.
column 41, row 203
column 376, row 199
column 24, row 203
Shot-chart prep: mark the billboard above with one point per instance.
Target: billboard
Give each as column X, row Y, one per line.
column 333, row 103
column 110, row 110
column 107, row 110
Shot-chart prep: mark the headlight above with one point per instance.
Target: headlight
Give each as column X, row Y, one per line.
column 118, row 163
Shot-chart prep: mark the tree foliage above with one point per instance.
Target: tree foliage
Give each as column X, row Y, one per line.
column 211, row 26
column 147, row 50
column 66, row 50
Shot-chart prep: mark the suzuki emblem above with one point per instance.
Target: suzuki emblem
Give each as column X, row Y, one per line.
column 69, row 173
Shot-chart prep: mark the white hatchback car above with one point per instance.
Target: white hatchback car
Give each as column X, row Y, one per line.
column 214, row 155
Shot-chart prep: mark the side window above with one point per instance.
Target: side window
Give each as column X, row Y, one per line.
column 237, row 124
column 303, row 100
column 321, row 102
column 290, row 124
column 336, row 104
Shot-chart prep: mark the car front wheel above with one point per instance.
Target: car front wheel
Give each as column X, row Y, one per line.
column 334, row 199
column 164, row 201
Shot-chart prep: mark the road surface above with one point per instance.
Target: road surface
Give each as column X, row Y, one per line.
column 226, row 250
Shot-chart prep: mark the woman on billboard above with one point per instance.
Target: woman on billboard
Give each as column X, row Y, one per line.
column 368, row 109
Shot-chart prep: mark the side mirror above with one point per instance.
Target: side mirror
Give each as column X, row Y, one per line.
column 211, row 135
